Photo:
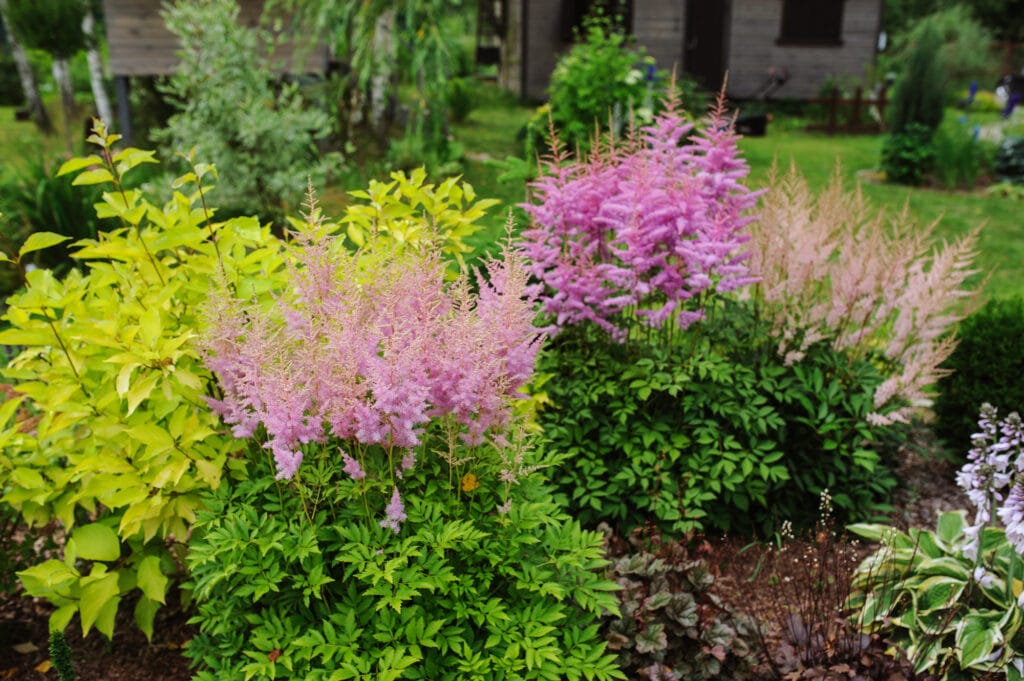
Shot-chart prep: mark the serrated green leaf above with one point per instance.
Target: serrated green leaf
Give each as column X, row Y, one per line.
column 145, row 613
column 94, row 176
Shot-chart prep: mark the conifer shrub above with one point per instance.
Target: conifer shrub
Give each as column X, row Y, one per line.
column 986, row 366
column 919, row 95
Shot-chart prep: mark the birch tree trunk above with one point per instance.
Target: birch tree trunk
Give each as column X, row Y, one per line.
column 62, row 75
column 99, row 90
column 384, row 53
column 28, row 81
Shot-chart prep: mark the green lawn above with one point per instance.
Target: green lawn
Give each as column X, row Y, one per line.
column 1001, row 256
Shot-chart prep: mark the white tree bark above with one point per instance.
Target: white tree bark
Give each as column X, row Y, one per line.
column 380, row 82
column 28, row 80
column 62, row 75
column 99, row 90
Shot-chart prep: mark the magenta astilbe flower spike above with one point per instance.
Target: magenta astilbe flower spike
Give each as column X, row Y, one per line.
column 647, row 225
column 394, row 513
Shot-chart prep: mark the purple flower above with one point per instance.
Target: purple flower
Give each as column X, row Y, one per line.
column 394, row 513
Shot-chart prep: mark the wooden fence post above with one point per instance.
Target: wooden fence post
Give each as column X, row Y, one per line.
column 833, row 110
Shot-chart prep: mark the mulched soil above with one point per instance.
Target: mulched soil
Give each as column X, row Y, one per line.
column 927, row 488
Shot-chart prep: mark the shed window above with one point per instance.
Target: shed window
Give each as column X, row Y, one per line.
column 812, row 22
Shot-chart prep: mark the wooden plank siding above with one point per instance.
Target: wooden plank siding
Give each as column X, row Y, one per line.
column 750, row 44
column 755, row 29
column 658, row 26
column 140, row 44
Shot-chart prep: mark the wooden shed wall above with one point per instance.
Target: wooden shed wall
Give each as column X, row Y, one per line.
column 141, row 45
column 755, row 28
column 660, row 26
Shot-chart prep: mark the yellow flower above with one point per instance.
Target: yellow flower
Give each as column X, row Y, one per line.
column 469, row 482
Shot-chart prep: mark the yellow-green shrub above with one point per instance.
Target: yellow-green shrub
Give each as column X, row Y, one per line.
column 124, row 445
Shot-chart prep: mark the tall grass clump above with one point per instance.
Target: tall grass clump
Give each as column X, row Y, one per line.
column 711, row 366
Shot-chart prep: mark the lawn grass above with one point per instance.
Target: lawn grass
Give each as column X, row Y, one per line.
column 1001, row 244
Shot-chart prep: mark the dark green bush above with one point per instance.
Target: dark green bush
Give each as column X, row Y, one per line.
column 908, row 156
column 673, row 625
column 920, row 92
column 461, row 97
column 1009, row 160
column 987, row 366
column 711, row 430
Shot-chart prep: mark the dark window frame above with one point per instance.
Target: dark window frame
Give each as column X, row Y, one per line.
column 802, row 20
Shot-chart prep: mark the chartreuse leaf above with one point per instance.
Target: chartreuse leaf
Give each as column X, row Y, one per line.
column 37, row 241
column 93, row 176
column 145, row 613
column 96, row 542
column 78, row 163
column 151, row 579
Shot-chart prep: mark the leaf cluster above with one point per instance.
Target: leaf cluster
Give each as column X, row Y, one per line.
column 908, row 156
column 464, row 592
column 108, row 431
column 953, row 616
column 673, row 626
column 603, row 80
column 1009, row 160
column 711, row 430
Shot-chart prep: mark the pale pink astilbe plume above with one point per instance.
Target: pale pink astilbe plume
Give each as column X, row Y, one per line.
column 394, row 513
column 644, row 226
column 371, row 348
column 833, row 267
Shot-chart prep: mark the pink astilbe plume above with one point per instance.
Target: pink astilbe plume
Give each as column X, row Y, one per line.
column 831, row 267
column 369, row 348
column 643, row 226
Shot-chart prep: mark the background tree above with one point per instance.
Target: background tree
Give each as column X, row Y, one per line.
column 374, row 36
column 54, row 26
column 28, row 80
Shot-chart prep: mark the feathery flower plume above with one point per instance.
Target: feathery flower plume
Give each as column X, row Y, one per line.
column 643, row 226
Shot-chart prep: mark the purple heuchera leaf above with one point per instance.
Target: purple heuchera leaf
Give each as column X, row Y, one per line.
column 644, row 226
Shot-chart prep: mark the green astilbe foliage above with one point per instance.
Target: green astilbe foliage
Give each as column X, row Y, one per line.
column 920, row 92
column 712, row 429
column 299, row 582
column 986, row 366
column 673, row 626
column 60, row 656
column 232, row 109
